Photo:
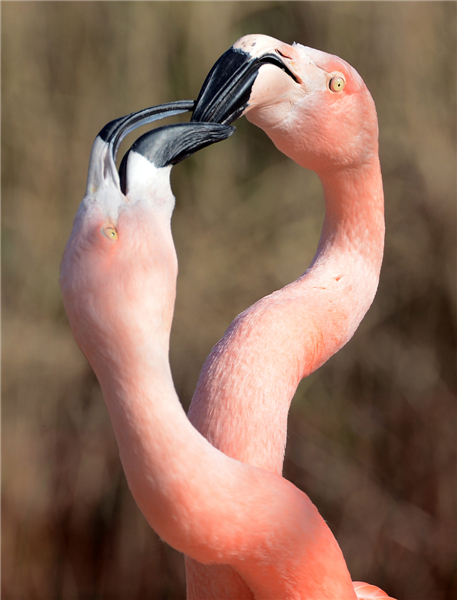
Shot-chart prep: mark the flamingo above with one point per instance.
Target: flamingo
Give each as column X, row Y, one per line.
column 318, row 111
column 118, row 280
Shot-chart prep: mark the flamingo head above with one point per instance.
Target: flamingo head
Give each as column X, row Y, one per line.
column 119, row 263
column 314, row 106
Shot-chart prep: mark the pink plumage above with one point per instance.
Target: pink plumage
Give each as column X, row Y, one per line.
column 243, row 395
column 365, row 591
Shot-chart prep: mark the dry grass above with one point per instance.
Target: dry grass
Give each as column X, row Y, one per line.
column 372, row 433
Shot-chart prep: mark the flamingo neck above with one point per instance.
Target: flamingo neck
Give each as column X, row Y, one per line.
column 207, row 505
column 354, row 213
column 242, row 399
column 203, row 503
column 341, row 282
column 243, row 395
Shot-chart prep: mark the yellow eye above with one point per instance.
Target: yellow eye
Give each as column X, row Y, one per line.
column 336, row 84
column 110, row 232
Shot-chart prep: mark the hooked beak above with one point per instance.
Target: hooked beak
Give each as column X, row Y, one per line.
column 225, row 93
column 102, row 162
column 115, row 131
column 167, row 146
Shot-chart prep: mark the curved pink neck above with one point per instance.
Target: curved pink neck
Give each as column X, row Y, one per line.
column 246, row 385
column 192, row 495
column 195, row 497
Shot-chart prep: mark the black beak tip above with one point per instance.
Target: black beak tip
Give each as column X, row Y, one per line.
column 169, row 145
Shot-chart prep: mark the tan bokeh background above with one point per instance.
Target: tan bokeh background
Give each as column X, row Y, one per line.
column 372, row 433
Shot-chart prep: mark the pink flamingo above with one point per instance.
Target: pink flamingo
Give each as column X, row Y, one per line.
column 118, row 281
column 318, row 111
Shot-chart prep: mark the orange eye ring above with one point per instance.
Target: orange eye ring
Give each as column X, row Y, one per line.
column 110, row 232
column 337, row 83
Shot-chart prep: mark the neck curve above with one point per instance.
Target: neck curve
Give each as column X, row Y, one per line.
column 251, row 375
column 193, row 495
column 243, row 395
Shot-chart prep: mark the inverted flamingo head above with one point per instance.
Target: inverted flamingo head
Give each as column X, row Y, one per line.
column 124, row 221
column 314, row 106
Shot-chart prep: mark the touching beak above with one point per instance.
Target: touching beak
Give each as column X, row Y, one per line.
column 227, row 88
column 167, row 146
column 115, row 131
column 102, row 162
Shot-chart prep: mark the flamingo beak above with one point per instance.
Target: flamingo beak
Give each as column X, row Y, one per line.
column 225, row 93
column 167, row 146
column 102, row 162
column 115, row 131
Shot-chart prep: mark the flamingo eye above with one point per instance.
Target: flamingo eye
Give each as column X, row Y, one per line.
column 336, row 84
column 110, row 232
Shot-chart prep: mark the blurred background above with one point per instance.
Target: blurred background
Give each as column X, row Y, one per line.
column 373, row 433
